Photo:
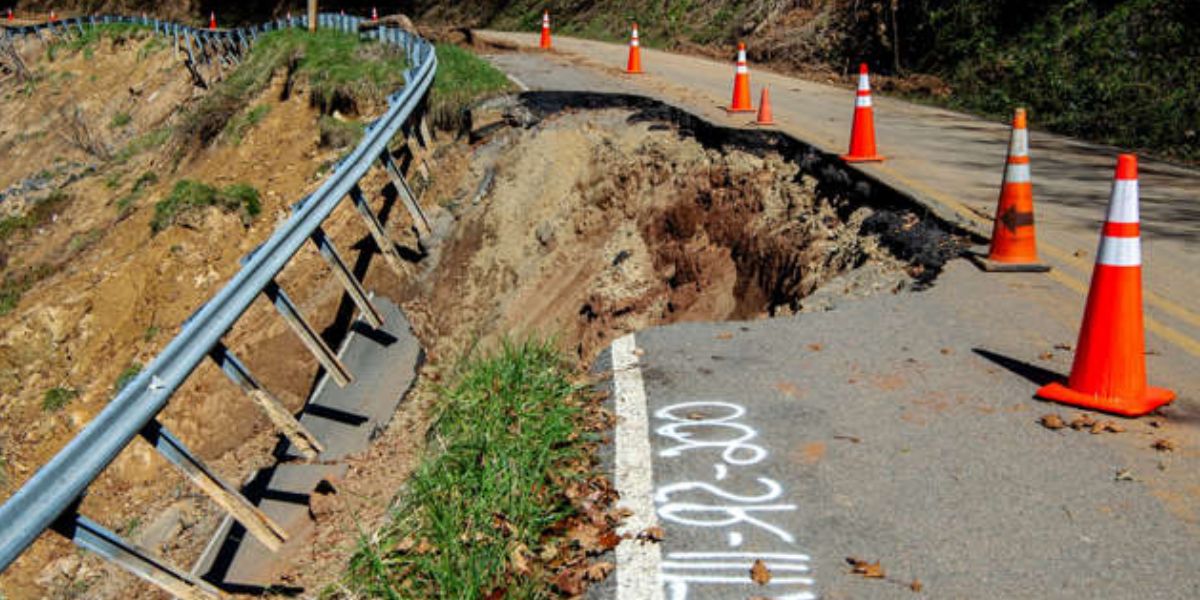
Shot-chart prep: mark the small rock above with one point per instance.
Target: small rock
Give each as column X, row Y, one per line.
column 1052, row 421
column 545, row 233
column 1163, row 445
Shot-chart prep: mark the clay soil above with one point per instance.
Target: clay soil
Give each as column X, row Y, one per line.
column 582, row 227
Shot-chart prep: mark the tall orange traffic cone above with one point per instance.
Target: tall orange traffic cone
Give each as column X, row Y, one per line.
column 53, row 17
column 1014, row 241
column 765, row 116
column 374, row 14
column 1109, row 373
column 212, row 21
column 635, row 53
column 544, row 43
column 741, row 84
column 862, row 132
column 10, row 14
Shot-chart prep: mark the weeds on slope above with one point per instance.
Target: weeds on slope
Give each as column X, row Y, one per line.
column 509, row 471
column 341, row 70
column 462, row 78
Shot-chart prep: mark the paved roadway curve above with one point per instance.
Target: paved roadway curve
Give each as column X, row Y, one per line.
column 902, row 429
column 951, row 161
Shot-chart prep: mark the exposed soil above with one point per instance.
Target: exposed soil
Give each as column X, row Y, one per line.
column 581, row 225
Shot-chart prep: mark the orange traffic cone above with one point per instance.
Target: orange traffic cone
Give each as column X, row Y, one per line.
column 53, row 17
column 741, row 84
column 765, row 116
column 862, row 132
column 212, row 20
column 1109, row 373
column 10, row 14
column 374, row 14
column 635, row 53
column 544, row 44
column 1014, row 241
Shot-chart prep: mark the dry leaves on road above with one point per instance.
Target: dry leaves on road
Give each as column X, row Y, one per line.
column 815, row 347
column 651, row 534
column 759, row 573
column 1052, row 421
column 725, row 335
column 916, row 586
column 1163, row 445
column 869, row 570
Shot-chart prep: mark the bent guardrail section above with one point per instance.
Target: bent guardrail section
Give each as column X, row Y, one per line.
column 50, row 498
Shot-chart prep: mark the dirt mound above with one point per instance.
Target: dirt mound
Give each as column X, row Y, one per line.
column 604, row 222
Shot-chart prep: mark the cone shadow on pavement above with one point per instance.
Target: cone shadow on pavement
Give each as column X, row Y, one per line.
column 1035, row 374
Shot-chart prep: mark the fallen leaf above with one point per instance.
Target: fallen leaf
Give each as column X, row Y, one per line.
column 848, row 438
column 496, row 594
column 651, row 534
column 759, row 573
column 609, row 540
column 569, row 582
column 1097, row 428
column 599, row 571
column 1052, row 421
column 1046, row 355
column 519, row 563
column 1081, row 421
column 696, row 416
column 1113, row 427
column 861, row 567
column 916, row 586
column 1163, row 445
column 639, row 352
column 946, row 351
column 725, row 335
column 815, row 347
column 1124, row 475
column 1155, row 423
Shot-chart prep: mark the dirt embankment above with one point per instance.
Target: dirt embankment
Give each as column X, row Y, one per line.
column 105, row 293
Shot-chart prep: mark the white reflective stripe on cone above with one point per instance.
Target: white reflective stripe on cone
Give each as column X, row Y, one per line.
column 1017, row 173
column 1019, row 144
column 863, row 101
column 1120, row 251
column 1123, row 208
column 864, row 82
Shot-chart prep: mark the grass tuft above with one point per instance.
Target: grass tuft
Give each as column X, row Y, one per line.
column 56, row 398
column 127, row 376
column 462, row 78
column 336, row 133
column 481, row 495
column 188, row 196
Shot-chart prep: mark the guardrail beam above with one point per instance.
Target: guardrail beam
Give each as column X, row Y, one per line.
column 287, row 309
column 304, row 441
column 89, row 535
column 382, row 239
column 420, row 221
column 353, row 287
column 258, row 524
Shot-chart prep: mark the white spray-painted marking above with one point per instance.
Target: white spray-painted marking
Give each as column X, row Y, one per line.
column 638, row 564
column 713, row 426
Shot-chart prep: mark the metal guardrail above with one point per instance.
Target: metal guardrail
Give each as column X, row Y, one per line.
column 50, row 498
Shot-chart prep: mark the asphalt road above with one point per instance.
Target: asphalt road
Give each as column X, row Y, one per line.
column 901, row 429
column 950, row 161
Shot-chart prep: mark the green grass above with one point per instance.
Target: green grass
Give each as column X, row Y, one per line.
column 120, row 120
column 462, row 78
column 128, row 375
column 336, row 133
column 507, row 427
column 188, row 195
column 56, row 398
column 341, row 70
column 142, row 143
column 39, row 214
column 237, row 128
column 13, row 286
column 126, row 202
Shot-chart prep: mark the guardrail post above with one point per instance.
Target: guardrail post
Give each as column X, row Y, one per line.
column 307, row 334
column 385, row 243
column 353, row 287
column 258, row 524
column 305, row 442
column 89, row 535
column 420, row 222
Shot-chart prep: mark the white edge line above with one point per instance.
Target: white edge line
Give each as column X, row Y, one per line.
column 638, row 563
column 517, row 82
